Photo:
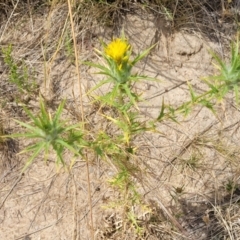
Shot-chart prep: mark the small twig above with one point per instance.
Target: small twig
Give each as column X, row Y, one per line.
column 14, row 185
column 8, row 21
column 44, row 198
column 167, row 90
column 94, row 204
column 172, row 219
column 25, row 235
column 8, row 172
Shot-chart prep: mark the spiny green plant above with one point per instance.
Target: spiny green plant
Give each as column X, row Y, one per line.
column 120, row 148
column 206, row 99
column 228, row 78
column 18, row 73
column 118, row 71
column 226, row 81
column 124, row 118
column 51, row 132
column 122, row 98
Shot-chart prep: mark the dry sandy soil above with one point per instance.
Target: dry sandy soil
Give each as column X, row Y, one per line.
column 189, row 165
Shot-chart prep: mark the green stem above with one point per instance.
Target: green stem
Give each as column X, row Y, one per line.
column 196, row 101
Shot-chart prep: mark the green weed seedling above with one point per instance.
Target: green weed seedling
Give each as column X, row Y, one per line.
column 51, row 133
column 18, row 74
column 192, row 162
column 229, row 77
column 230, row 186
column 68, row 46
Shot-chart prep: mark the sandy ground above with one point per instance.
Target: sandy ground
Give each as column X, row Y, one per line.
column 46, row 204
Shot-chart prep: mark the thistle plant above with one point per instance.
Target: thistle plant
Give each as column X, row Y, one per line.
column 124, row 118
column 118, row 71
column 51, row 133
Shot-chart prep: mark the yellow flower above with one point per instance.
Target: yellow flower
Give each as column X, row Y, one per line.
column 117, row 50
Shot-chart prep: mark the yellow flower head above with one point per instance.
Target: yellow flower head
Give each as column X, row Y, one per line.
column 117, row 50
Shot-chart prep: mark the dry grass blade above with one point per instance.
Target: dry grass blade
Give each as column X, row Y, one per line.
column 82, row 112
column 10, row 191
column 26, row 236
